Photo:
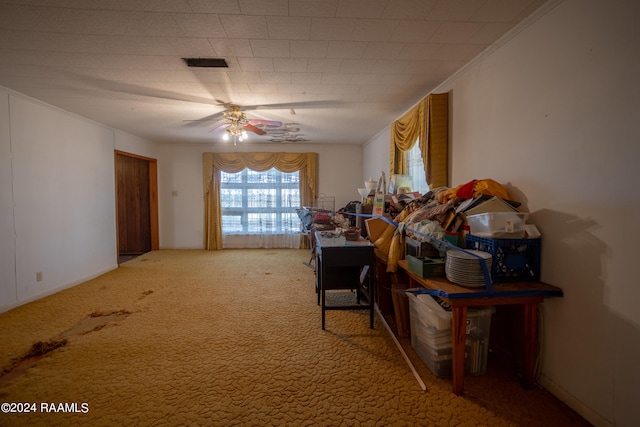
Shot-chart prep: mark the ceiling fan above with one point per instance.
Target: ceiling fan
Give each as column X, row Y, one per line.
column 237, row 124
column 255, row 126
column 291, row 106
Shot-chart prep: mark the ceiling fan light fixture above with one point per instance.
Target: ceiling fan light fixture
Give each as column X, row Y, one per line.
column 236, row 121
column 206, row 62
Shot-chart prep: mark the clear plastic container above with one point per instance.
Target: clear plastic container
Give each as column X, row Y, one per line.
column 424, row 310
column 498, row 225
column 431, row 335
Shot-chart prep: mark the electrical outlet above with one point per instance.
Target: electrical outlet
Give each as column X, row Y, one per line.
column 39, row 276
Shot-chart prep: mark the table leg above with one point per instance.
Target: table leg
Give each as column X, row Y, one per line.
column 372, row 293
column 323, row 305
column 321, row 290
column 318, row 276
column 530, row 334
column 459, row 331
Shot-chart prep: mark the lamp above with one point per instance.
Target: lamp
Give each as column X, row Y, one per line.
column 364, row 193
column 237, row 121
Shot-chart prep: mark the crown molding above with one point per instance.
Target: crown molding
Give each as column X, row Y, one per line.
column 446, row 85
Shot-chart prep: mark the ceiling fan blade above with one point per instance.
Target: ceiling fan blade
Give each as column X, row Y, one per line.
column 289, row 105
column 210, row 118
column 225, row 104
column 265, row 122
column 223, row 126
column 129, row 89
column 254, row 129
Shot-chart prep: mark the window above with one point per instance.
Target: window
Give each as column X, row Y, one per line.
column 259, row 202
column 415, row 169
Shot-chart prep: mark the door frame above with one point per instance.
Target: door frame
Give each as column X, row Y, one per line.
column 153, row 197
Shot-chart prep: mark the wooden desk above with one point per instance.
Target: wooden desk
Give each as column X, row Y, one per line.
column 344, row 265
column 525, row 294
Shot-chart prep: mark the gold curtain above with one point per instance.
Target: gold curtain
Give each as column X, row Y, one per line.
column 214, row 163
column 428, row 123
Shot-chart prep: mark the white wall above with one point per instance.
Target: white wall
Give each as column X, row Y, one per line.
column 57, row 209
column 134, row 145
column 376, row 156
column 554, row 113
column 180, row 173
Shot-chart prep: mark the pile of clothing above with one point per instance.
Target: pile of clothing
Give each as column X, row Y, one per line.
column 432, row 215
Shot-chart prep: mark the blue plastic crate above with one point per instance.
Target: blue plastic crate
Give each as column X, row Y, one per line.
column 514, row 260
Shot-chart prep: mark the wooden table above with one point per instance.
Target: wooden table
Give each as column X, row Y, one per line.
column 525, row 294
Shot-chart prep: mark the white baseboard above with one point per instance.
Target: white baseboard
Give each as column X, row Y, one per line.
column 32, row 298
column 572, row 402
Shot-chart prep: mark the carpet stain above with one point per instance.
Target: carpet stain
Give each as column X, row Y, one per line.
column 41, row 348
column 35, row 353
column 145, row 293
column 94, row 322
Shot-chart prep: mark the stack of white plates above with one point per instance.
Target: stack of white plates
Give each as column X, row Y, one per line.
column 465, row 269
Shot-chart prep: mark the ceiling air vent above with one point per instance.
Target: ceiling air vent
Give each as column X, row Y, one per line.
column 206, row 62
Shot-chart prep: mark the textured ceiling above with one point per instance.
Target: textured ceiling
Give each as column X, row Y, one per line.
column 347, row 67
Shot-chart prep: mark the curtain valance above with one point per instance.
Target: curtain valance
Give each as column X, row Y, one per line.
column 426, row 123
column 284, row 162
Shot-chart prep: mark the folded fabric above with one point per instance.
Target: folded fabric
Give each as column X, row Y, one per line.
column 465, row 191
column 474, row 188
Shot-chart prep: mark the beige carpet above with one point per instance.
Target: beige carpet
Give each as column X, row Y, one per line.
column 233, row 338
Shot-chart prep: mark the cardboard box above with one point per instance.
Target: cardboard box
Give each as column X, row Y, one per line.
column 375, row 227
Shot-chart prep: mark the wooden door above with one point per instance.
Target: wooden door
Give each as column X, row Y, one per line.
column 136, row 204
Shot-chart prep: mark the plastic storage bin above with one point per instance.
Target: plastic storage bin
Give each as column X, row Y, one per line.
column 514, row 260
column 431, row 335
column 426, row 311
column 505, row 225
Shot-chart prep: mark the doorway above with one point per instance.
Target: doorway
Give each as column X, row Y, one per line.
column 136, row 205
